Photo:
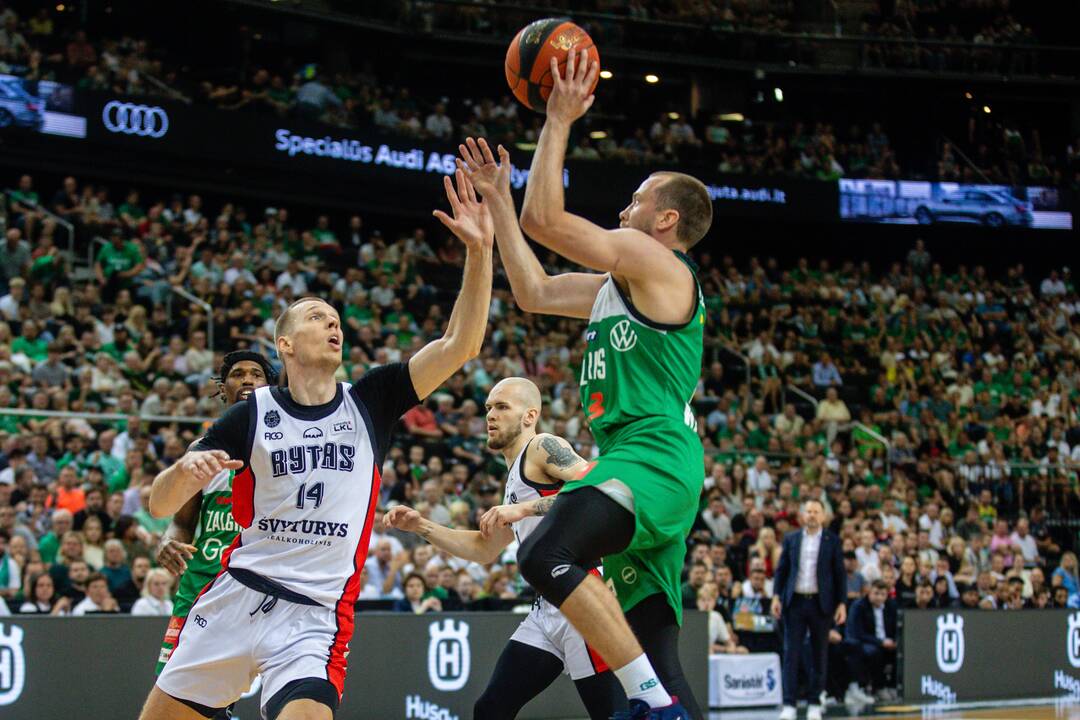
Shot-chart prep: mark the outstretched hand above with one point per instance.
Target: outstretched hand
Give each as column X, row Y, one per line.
column 488, row 176
column 572, row 95
column 471, row 222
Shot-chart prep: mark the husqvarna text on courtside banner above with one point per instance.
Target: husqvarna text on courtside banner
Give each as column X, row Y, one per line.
column 401, row 666
column 953, row 656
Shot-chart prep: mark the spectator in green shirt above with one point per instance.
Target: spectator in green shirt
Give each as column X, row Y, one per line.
column 49, row 545
column 131, row 213
column 117, row 264
column 30, row 344
column 26, row 203
column 120, row 345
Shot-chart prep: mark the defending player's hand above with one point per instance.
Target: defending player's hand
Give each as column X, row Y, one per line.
column 571, row 95
column 471, row 221
column 502, row 516
column 203, row 465
column 403, row 518
column 487, row 176
column 173, row 555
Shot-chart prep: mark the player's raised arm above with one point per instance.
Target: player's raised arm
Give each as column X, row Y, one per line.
column 464, row 336
column 626, row 251
column 569, row 294
column 465, row 544
column 220, row 449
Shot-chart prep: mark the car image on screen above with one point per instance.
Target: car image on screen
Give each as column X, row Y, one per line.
column 19, row 108
column 985, row 207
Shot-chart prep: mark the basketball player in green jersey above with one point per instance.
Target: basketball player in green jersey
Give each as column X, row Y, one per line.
column 635, row 505
column 204, row 527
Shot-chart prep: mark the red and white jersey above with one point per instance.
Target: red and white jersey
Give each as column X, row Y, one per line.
column 306, row 498
column 520, row 489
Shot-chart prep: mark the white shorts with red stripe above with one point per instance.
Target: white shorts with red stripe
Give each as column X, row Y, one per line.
column 234, row 633
column 547, row 629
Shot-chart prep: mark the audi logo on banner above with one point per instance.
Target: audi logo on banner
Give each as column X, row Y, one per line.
column 132, row 119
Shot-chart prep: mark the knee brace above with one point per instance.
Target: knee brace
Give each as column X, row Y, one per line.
column 550, row 566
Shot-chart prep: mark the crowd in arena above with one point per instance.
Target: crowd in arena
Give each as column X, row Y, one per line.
column 41, row 48
column 933, row 410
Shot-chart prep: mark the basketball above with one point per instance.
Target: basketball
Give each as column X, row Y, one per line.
column 528, row 59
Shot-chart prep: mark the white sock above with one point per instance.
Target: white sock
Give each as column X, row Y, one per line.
column 640, row 682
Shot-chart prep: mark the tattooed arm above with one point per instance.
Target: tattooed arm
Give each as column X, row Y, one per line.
column 550, row 460
column 553, row 457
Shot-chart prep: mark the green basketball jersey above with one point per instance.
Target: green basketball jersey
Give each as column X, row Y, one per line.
column 636, row 372
column 216, row 528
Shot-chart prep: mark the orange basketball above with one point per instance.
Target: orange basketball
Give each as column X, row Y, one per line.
column 528, row 59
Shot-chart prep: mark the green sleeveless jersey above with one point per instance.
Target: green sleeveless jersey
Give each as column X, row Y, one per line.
column 215, row 530
column 638, row 374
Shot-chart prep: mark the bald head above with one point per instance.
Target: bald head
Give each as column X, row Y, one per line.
column 522, row 390
column 513, row 407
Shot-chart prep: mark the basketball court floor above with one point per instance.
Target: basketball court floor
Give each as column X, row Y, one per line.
column 1062, row 709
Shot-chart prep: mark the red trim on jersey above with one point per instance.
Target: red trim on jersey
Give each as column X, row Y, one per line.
column 243, row 498
column 344, row 610
column 227, row 553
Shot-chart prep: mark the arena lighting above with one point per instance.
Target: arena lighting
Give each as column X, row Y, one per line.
column 526, row 146
column 732, row 117
column 606, row 74
column 598, row 134
column 986, row 109
column 59, row 8
column 967, row 95
column 778, row 94
column 652, row 79
column 673, row 116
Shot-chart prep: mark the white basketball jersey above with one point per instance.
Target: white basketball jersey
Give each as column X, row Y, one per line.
column 306, row 501
column 519, row 489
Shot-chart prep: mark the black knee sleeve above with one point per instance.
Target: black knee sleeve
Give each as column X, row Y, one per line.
column 549, row 566
column 581, row 528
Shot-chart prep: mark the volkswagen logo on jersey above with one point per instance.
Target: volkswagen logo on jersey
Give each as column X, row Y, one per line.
column 132, row 119
column 271, row 418
column 622, row 336
column 13, row 664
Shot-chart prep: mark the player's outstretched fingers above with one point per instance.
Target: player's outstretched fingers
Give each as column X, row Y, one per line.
column 451, row 195
column 471, row 189
column 485, row 149
column 462, row 188
column 504, row 155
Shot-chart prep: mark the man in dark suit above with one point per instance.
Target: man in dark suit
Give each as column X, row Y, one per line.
column 810, row 586
column 871, row 641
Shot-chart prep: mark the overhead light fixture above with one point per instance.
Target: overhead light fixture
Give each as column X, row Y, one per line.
column 652, row 79
column 59, row 8
column 598, row 134
column 606, row 74
column 673, row 116
column 778, row 94
column 986, row 109
column 732, row 117
column 967, row 95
